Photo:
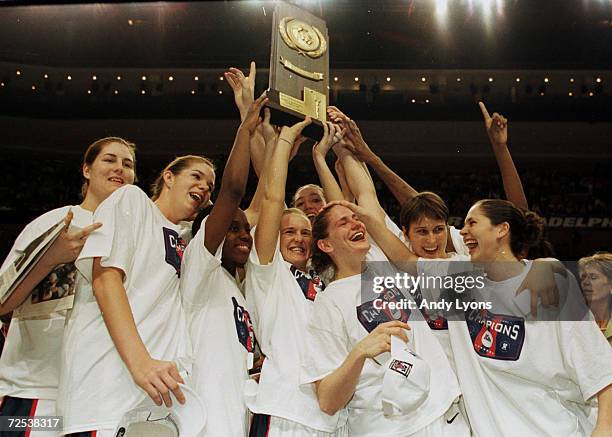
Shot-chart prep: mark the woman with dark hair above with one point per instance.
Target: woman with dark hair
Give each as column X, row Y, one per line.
column 212, row 290
column 596, row 282
column 520, row 375
column 130, row 332
column 30, row 363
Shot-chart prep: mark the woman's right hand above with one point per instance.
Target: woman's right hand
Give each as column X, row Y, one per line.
column 158, row 378
column 379, row 340
column 365, row 215
column 67, row 247
column 290, row 133
column 331, row 135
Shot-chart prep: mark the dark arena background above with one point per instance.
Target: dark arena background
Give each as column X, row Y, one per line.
column 410, row 72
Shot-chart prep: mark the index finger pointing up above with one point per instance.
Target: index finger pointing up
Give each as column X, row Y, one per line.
column 484, row 111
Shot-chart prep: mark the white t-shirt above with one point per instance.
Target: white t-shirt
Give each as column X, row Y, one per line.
column 524, row 377
column 96, row 388
column 222, row 336
column 441, row 267
column 283, row 308
column 30, row 361
column 340, row 319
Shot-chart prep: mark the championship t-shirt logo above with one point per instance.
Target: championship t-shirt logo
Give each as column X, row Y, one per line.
column 496, row 336
column 437, row 322
column 244, row 327
column 377, row 311
column 310, row 283
column 175, row 247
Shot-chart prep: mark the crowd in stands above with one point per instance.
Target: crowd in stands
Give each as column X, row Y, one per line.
column 50, row 180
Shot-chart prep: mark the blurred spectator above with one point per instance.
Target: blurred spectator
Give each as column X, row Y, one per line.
column 596, row 282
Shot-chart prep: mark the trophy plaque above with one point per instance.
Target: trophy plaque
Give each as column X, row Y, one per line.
column 299, row 69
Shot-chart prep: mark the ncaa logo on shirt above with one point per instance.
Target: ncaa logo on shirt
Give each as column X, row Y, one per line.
column 244, row 327
column 175, row 247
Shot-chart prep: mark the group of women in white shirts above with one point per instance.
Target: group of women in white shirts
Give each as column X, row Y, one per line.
column 163, row 305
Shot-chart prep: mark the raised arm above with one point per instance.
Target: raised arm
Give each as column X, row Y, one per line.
column 497, row 130
column 244, row 94
column 346, row 190
column 331, row 135
column 358, row 179
column 269, row 134
column 395, row 250
column 65, row 249
column 266, row 233
column 400, row 189
column 234, row 181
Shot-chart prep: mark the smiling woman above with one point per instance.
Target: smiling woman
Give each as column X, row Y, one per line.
column 542, row 378
column 309, row 198
column 282, row 290
column 31, row 359
column 211, row 290
column 141, row 342
column 189, row 181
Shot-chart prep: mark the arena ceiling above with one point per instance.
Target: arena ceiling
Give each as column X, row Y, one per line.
column 394, row 34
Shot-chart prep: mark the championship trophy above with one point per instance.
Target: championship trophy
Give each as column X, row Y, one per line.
column 299, row 69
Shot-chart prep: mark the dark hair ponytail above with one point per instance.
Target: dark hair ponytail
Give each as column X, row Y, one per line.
column 320, row 260
column 526, row 227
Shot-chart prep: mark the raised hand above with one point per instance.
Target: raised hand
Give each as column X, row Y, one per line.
column 337, row 116
column 242, row 86
column 497, row 126
column 269, row 131
column 356, row 144
column 366, row 215
column 68, row 245
column 159, row 378
column 301, row 139
column 251, row 118
column 379, row 340
column 331, row 135
column 289, row 134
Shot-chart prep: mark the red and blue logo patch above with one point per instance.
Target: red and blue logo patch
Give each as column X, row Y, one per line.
column 496, row 336
column 244, row 327
column 371, row 315
column 175, row 247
